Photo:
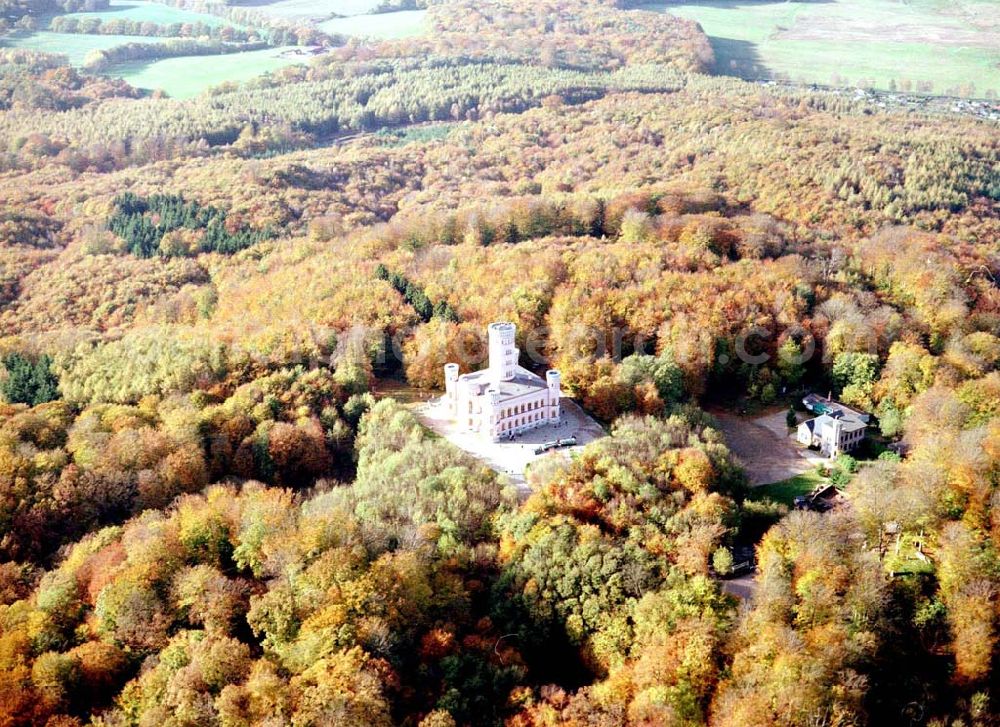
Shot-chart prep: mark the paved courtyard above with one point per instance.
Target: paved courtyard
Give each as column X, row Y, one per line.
column 511, row 458
column 765, row 447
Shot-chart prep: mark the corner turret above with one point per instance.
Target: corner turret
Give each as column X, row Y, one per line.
column 451, row 387
column 552, row 381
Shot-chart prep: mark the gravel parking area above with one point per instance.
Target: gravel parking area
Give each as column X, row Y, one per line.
column 764, row 446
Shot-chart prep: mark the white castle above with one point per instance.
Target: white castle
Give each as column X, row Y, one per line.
column 504, row 398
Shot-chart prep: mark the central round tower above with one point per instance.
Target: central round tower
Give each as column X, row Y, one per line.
column 503, row 352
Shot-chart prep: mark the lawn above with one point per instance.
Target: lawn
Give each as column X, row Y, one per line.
column 844, row 42
column 787, row 490
column 902, row 557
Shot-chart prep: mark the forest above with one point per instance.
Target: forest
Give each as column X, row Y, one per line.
column 214, row 512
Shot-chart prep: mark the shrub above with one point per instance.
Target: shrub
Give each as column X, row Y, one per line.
column 722, row 561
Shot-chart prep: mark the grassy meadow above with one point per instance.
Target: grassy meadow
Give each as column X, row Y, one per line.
column 316, row 10
column 74, row 46
column 190, row 75
column 148, row 12
column 879, row 43
column 187, row 76
column 931, row 46
column 382, row 25
column 180, row 77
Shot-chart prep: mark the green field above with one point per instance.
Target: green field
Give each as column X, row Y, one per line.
column 878, row 43
column 315, row 10
column 73, row 45
column 76, row 46
column 786, row 491
column 179, row 77
column 401, row 24
column 190, row 75
column 150, row 12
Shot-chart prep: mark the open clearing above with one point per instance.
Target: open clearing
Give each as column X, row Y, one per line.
column 149, row 12
column 765, row 448
column 180, row 77
column 841, row 42
column 945, row 47
column 75, row 46
column 402, row 24
column 512, row 458
column 315, row 10
column 188, row 76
